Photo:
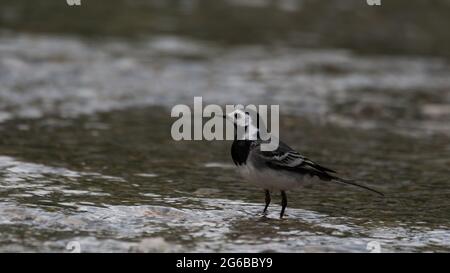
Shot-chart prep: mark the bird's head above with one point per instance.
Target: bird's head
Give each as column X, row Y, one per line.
column 246, row 121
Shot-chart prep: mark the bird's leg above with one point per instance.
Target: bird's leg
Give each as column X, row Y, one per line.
column 283, row 203
column 267, row 200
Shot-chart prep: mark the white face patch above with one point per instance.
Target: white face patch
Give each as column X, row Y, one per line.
column 240, row 118
column 244, row 121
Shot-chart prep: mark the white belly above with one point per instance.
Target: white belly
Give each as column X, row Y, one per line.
column 273, row 180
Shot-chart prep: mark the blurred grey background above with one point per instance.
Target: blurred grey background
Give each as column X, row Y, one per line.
column 396, row 27
column 85, row 148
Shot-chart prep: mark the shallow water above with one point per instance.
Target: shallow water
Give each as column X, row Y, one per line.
column 86, row 153
column 111, row 181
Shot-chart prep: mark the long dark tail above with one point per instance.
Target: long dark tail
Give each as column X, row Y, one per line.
column 351, row 182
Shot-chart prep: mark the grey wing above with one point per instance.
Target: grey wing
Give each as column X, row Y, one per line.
column 286, row 158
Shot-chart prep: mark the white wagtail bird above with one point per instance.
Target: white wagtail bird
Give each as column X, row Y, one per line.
column 279, row 170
